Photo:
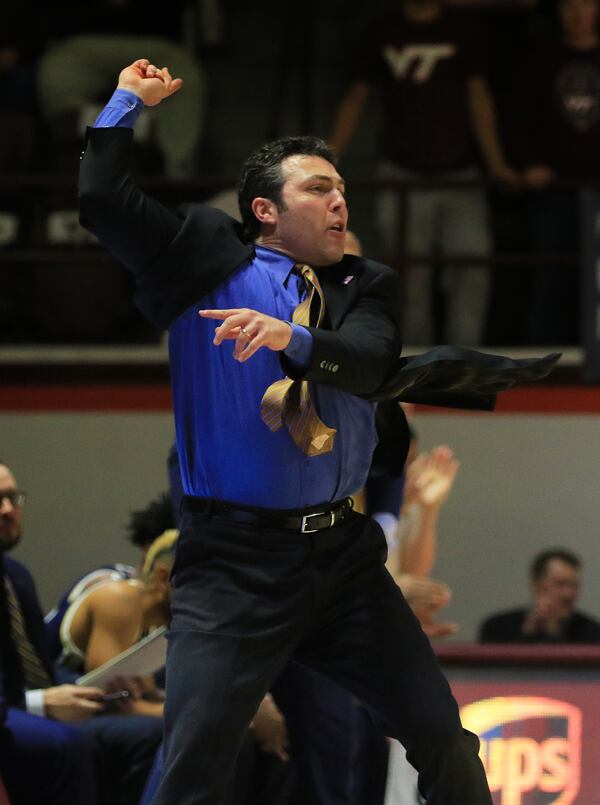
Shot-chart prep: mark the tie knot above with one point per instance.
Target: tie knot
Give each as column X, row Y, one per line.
column 308, row 275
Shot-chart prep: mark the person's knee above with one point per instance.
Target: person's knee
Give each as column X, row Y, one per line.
column 71, row 749
column 132, row 737
column 63, row 761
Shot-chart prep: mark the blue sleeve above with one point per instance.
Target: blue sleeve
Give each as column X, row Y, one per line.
column 122, row 110
column 299, row 350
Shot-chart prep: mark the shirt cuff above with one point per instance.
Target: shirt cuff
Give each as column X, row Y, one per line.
column 389, row 526
column 299, row 350
column 122, row 110
column 34, row 702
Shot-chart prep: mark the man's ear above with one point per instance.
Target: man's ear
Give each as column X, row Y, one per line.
column 265, row 211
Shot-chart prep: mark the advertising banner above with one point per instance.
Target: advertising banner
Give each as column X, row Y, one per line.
column 539, row 741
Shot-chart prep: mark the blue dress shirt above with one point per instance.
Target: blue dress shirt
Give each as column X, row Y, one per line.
column 225, row 449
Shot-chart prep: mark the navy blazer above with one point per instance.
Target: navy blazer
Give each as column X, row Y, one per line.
column 177, row 258
column 26, row 592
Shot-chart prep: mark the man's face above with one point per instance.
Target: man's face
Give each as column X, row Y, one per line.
column 10, row 514
column 579, row 17
column 559, row 587
column 311, row 226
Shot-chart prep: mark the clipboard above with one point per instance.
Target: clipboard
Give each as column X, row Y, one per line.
column 142, row 659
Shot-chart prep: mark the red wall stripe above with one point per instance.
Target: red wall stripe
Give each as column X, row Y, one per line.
column 551, row 399
column 538, row 400
column 112, row 398
column 102, row 398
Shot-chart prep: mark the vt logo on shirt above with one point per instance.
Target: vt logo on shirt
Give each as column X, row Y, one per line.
column 423, row 58
column 578, row 93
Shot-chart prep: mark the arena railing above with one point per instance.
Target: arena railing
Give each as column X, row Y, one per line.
column 34, row 197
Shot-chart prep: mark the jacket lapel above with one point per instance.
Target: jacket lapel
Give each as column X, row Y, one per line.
column 340, row 289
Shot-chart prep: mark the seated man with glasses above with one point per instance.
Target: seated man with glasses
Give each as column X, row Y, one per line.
column 17, row 498
column 31, row 707
column 42, row 759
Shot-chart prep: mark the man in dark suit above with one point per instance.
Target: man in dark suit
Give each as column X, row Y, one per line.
column 272, row 563
column 95, row 756
column 552, row 617
column 41, row 759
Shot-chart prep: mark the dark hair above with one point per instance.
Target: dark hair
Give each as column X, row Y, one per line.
column 540, row 562
column 262, row 175
column 146, row 524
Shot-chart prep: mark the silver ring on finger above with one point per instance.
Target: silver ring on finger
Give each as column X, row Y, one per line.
column 246, row 333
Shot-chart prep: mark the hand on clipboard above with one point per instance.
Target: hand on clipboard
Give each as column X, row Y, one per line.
column 142, row 659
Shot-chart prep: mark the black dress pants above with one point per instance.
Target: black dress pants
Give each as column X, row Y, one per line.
column 248, row 599
column 340, row 754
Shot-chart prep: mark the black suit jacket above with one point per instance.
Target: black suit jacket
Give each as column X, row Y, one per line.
column 177, row 258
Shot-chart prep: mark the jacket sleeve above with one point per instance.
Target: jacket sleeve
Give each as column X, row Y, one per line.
column 456, row 377
column 361, row 353
column 133, row 226
column 176, row 257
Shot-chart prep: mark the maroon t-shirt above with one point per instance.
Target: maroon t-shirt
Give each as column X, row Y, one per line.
column 556, row 119
column 422, row 71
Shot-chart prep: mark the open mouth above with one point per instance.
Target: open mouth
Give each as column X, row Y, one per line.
column 337, row 228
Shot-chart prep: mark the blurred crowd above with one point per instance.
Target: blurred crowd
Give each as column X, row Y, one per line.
column 485, row 115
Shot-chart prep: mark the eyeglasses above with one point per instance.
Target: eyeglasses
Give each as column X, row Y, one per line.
column 15, row 497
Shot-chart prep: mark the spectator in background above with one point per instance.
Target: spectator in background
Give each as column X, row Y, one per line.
column 108, row 615
column 85, row 51
column 101, row 616
column 144, row 527
column 120, row 749
column 76, row 70
column 20, row 44
column 555, row 136
column 85, row 48
column 552, row 616
column 82, row 586
column 32, row 707
column 438, row 121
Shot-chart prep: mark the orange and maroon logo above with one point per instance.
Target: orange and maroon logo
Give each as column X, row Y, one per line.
column 530, row 747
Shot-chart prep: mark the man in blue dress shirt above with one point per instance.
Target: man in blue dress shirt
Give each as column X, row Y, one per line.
column 272, row 563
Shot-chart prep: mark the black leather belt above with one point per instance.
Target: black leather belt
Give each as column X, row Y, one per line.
column 303, row 523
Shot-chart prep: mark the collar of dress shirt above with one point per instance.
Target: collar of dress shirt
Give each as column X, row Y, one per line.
column 276, row 262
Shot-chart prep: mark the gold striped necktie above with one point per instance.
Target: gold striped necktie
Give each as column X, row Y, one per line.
column 287, row 402
column 36, row 675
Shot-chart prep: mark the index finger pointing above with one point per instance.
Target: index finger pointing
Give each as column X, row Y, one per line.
column 218, row 314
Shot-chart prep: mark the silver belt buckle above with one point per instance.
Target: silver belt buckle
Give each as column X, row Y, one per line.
column 306, row 517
